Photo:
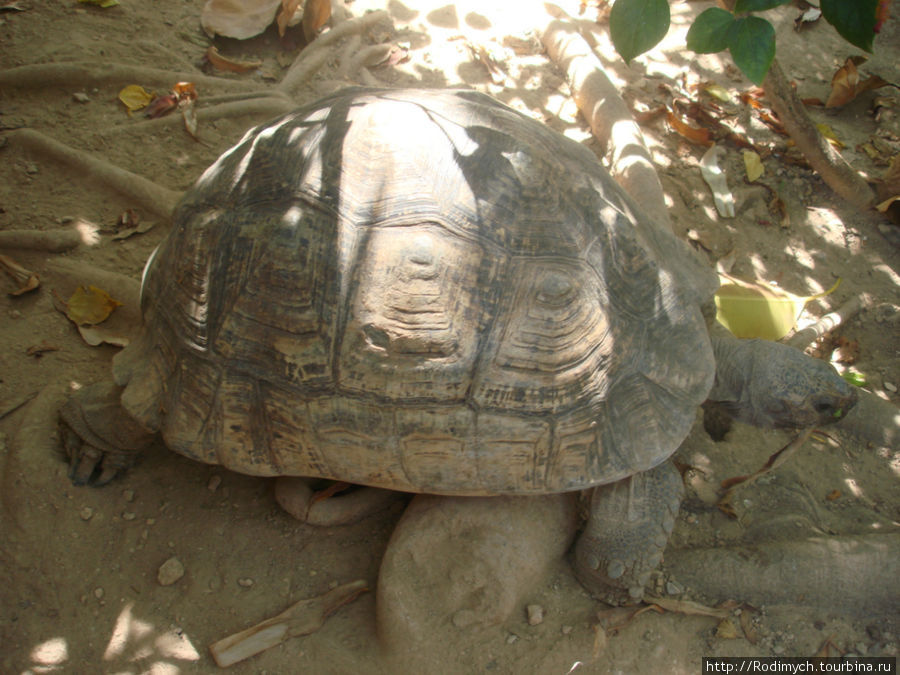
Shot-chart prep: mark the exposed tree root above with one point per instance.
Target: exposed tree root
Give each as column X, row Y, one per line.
column 873, row 420
column 52, row 241
column 804, row 338
column 629, row 160
column 825, row 160
column 855, row 572
column 152, row 197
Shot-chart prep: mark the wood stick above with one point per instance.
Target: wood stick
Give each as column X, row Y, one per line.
column 52, row 241
column 302, row 618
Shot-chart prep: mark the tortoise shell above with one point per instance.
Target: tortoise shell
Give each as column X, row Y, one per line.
column 424, row 291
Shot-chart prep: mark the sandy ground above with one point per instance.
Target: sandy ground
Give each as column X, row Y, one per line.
column 79, row 567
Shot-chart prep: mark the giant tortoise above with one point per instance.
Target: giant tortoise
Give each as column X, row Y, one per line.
column 428, row 291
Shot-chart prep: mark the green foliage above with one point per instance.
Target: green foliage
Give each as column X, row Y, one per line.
column 638, row 25
column 751, row 41
column 855, row 21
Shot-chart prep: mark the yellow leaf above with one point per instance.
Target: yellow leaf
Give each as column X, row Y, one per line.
column 90, row 305
column 752, row 310
column 135, row 97
column 829, row 135
column 753, row 165
column 718, row 92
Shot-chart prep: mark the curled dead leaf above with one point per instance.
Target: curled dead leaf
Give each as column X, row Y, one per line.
column 223, row 63
column 290, row 14
column 315, row 15
column 25, row 278
column 695, row 135
column 90, row 305
column 846, row 84
column 38, row 350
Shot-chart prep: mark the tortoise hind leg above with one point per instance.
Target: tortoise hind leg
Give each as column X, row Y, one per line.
column 100, row 439
column 628, row 526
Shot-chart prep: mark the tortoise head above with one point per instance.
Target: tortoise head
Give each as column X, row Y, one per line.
column 772, row 385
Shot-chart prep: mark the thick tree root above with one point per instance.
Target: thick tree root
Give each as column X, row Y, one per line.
column 857, row 573
column 52, row 241
column 825, row 160
column 873, row 420
column 152, row 197
column 804, row 338
column 629, row 160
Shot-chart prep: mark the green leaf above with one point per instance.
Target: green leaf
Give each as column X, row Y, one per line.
column 742, row 6
column 855, row 21
column 751, row 41
column 855, row 378
column 709, row 32
column 638, row 25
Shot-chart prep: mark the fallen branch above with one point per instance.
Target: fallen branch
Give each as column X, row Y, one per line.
column 154, row 198
column 302, row 618
column 611, row 121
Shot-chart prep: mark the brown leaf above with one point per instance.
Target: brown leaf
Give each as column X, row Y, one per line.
column 846, row 84
column 747, row 626
column 90, row 305
column 223, row 63
column 38, row 350
column 286, row 15
column 693, row 134
column 315, row 14
column 726, row 630
column 834, row 495
column 131, row 231
column 161, row 106
column 25, row 278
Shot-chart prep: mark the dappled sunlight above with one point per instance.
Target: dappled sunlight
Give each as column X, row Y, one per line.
column 135, row 647
column 88, row 232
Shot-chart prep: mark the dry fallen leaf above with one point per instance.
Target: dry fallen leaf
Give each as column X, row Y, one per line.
column 809, row 16
column 39, row 350
column 289, row 15
column 101, row 3
column 696, row 135
column 726, row 630
column 754, row 310
column 223, row 63
column 846, row 84
column 753, row 165
column 315, row 15
column 25, row 278
column 90, row 305
column 135, row 97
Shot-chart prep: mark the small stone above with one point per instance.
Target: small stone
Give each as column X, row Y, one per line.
column 80, row 97
column 214, row 483
column 98, row 593
column 511, row 638
column 891, row 387
column 566, row 630
column 535, row 614
column 246, row 582
column 86, row 513
column 673, row 588
column 31, row 168
column 170, row 572
column 128, row 515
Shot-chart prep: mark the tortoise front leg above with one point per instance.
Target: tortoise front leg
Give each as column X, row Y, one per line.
column 100, row 439
column 628, row 526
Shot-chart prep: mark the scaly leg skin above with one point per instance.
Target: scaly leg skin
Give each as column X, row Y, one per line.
column 100, row 439
column 628, row 526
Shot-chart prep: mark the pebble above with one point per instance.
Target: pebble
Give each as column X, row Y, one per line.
column 566, row 630
column 170, row 572
column 246, row 582
column 31, row 168
column 213, row 483
column 128, row 515
column 86, row 513
column 673, row 588
column 535, row 614
column 98, row 592
column 80, row 97
column 891, row 387
column 511, row 638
